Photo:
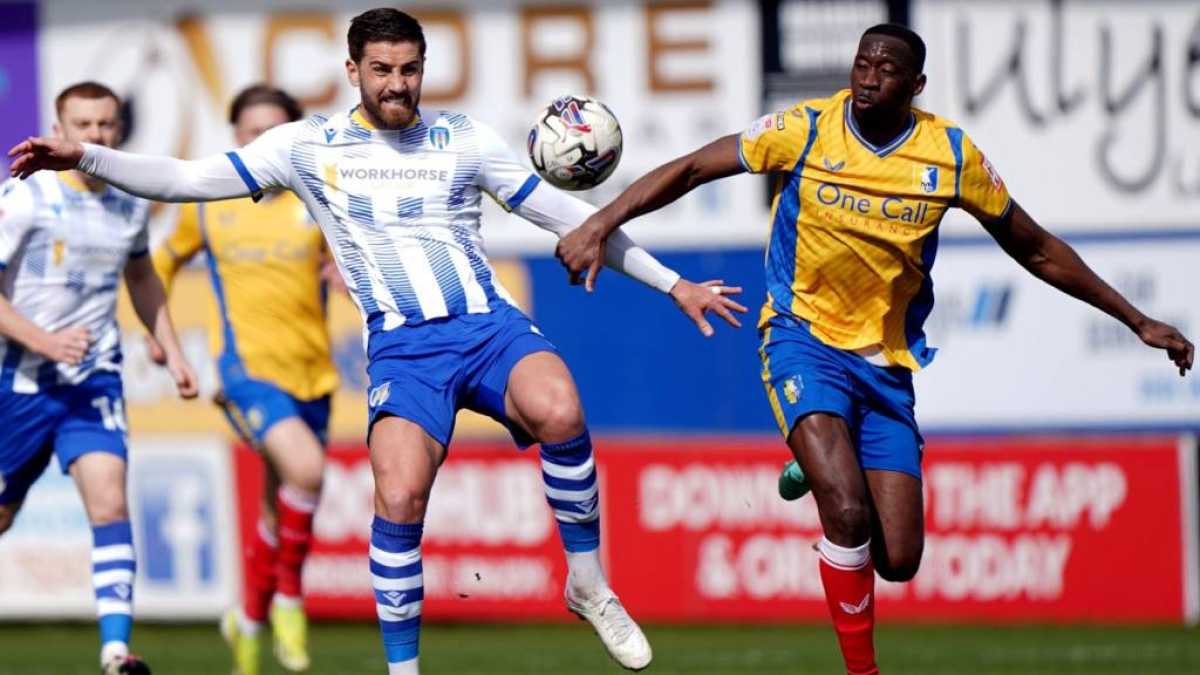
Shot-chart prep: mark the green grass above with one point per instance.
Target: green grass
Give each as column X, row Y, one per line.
column 464, row 650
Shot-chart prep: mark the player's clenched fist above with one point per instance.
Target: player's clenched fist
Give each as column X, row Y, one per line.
column 39, row 154
column 582, row 251
column 68, row 345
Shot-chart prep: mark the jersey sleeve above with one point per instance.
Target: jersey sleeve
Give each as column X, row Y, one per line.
column 17, row 209
column 179, row 247
column 773, row 142
column 265, row 163
column 981, row 191
column 502, row 175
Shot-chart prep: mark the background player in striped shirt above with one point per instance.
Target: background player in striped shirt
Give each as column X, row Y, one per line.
column 65, row 241
column 863, row 180
column 273, row 353
column 397, row 191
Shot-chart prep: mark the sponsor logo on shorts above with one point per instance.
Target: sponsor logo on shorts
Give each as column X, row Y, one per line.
column 793, row 389
column 255, row 418
column 379, row 395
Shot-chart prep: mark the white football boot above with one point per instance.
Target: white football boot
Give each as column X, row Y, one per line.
column 622, row 638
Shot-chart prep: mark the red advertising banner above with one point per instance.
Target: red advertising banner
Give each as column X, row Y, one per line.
column 1063, row 529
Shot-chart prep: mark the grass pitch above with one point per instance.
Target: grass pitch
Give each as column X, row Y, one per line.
column 347, row 648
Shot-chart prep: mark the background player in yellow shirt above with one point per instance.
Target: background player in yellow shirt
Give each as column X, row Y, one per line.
column 273, row 354
column 863, row 182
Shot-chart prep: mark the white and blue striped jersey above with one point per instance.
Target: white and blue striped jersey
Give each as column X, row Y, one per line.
column 62, row 251
column 400, row 209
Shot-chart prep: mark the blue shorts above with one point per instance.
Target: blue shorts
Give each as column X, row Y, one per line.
column 428, row 372
column 803, row 375
column 254, row 406
column 64, row 420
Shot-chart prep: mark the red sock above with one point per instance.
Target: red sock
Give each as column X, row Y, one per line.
column 294, row 510
column 260, row 573
column 849, row 580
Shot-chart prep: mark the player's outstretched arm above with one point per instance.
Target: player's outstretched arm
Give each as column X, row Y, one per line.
column 1052, row 260
column 150, row 304
column 561, row 213
column 583, row 250
column 163, row 179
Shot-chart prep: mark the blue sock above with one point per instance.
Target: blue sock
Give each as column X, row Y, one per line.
column 399, row 589
column 569, row 474
column 113, row 567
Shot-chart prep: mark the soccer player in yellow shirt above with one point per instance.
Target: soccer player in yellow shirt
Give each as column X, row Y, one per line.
column 272, row 346
column 864, row 179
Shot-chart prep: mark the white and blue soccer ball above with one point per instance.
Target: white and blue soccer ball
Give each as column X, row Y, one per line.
column 576, row 142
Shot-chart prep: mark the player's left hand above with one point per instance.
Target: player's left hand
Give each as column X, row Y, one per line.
column 38, row 154
column 185, row 378
column 582, row 252
column 696, row 299
column 1165, row 336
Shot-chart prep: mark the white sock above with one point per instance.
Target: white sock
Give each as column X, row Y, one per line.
column 408, row 667
column 585, row 576
column 853, row 558
column 286, row 601
column 247, row 625
column 111, row 650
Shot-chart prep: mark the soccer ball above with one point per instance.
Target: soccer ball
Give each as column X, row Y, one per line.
column 575, row 143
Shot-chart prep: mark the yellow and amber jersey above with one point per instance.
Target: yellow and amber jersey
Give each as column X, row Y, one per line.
column 854, row 225
column 265, row 263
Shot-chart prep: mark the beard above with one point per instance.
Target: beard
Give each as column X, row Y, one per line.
column 393, row 117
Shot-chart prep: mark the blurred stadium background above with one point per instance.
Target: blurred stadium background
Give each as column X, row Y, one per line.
column 1061, row 465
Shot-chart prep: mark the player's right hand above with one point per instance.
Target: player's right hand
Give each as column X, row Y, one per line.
column 68, row 345
column 155, row 350
column 44, row 154
column 1165, row 336
column 582, row 251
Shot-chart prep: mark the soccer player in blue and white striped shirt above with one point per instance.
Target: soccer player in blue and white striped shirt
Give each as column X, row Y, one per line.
column 397, row 191
column 65, row 240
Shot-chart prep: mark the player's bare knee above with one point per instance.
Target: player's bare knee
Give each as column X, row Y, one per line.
column 401, row 506
column 107, row 510
column 900, row 563
column 560, row 420
column 900, row 570
column 308, row 478
column 847, row 521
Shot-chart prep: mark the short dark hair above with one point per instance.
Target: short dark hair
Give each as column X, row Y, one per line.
column 88, row 90
column 262, row 94
column 906, row 35
column 383, row 24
